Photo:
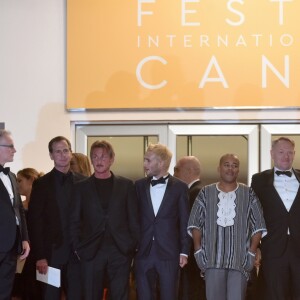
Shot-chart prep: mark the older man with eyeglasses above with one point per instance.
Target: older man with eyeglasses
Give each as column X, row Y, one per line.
column 13, row 229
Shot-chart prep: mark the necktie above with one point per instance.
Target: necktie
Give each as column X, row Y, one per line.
column 161, row 180
column 4, row 170
column 287, row 173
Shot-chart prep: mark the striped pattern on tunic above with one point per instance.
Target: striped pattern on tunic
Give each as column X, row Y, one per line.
column 226, row 247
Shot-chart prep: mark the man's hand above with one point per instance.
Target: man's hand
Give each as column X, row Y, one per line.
column 26, row 250
column 42, row 266
column 183, row 260
column 257, row 258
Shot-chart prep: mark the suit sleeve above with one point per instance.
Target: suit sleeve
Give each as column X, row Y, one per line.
column 132, row 211
column 184, row 215
column 36, row 224
column 19, row 209
column 75, row 219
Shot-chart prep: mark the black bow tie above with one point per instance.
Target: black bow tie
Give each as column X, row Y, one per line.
column 287, row 173
column 4, row 170
column 161, row 180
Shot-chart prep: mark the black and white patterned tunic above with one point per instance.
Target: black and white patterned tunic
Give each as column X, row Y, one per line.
column 225, row 241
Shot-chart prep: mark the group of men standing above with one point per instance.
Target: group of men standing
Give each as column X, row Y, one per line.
column 92, row 228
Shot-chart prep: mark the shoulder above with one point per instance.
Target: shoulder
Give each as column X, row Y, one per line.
column 243, row 186
column 262, row 178
column 121, row 179
column 265, row 173
column 177, row 181
column 79, row 177
column 45, row 179
column 141, row 181
column 297, row 171
column 209, row 187
column 84, row 181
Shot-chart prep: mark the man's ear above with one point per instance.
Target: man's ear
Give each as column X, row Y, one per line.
column 50, row 154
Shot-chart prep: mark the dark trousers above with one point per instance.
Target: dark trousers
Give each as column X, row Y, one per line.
column 8, row 262
column 282, row 275
column 109, row 266
column 191, row 284
column 70, row 283
column 151, row 272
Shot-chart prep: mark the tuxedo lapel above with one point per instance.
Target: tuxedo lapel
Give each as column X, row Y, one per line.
column 148, row 198
column 297, row 174
column 166, row 195
column 297, row 198
column 4, row 192
column 14, row 187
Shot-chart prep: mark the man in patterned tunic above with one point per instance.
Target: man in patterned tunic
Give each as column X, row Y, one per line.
column 226, row 224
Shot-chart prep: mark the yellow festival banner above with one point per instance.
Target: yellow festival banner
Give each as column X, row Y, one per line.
column 182, row 54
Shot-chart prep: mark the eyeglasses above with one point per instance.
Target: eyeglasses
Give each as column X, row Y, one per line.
column 12, row 146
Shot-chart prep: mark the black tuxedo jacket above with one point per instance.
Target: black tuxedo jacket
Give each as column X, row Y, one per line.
column 169, row 226
column 8, row 214
column 44, row 222
column 277, row 218
column 193, row 192
column 88, row 219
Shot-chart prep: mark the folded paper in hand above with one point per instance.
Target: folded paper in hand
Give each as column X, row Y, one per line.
column 52, row 277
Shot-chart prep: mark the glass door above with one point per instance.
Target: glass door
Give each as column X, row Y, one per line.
column 207, row 142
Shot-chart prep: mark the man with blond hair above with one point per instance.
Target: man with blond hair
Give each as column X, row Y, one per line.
column 163, row 214
column 278, row 192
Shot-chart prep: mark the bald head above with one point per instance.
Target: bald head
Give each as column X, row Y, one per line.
column 187, row 169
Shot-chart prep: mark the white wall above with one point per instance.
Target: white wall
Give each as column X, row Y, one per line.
column 32, row 77
column 33, row 84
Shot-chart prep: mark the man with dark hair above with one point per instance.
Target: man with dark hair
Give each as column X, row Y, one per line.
column 278, row 192
column 13, row 229
column 226, row 224
column 104, row 227
column 48, row 222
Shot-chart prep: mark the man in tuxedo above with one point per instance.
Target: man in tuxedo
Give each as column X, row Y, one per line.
column 48, row 222
column 13, row 229
column 188, row 169
column 163, row 215
column 191, row 286
column 104, row 227
column 279, row 194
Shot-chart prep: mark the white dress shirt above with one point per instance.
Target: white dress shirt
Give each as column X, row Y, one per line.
column 287, row 188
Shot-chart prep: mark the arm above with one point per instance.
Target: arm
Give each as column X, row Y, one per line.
column 75, row 219
column 36, row 225
column 183, row 260
column 254, row 250
column 196, row 234
column 184, row 216
column 255, row 240
column 26, row 249
column 132, row 211
column 196, row 220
